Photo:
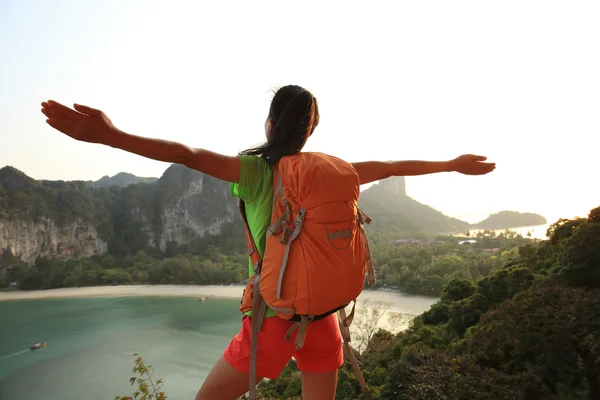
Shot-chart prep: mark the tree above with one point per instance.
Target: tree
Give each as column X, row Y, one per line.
column 583, row 253
column 439, row 313
column 367, row 319
column 457, row 289
column 116, row 276
column 503, row 284
column 466, row 312
column 551, row 331
column 423, row 373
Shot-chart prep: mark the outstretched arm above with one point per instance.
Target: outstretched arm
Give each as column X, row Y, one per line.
column 467, row 164
column 93, row 126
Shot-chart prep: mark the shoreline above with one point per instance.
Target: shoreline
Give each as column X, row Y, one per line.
column 211, row 291
column 403, row 303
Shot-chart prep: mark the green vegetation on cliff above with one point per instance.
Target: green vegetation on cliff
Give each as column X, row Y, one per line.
column 22, row 198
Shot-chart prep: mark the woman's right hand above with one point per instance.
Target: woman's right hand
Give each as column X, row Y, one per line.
column 93, row 126
column 82, row 123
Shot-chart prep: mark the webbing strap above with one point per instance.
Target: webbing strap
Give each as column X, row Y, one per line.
column 299, row 221
column 345, row 331
column 370, row 266
column 356, row 369
column 363, row 218
column 252, row 249
column 301, row 337
column 277, row 226
column 281, row 310
column 278, row 189
column 348, row 320
column 258, row 315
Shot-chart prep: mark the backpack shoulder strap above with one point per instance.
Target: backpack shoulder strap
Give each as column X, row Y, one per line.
column 259, row 305
column 252, row 249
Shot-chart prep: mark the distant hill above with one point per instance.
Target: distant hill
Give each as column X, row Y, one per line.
column 393, row 211
column 11, row 179
column 122, row 179
column 510, row 219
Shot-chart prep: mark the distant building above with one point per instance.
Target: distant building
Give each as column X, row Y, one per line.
column 493, row 250
column 469, row 241
column 416, row 242
column 435, row 258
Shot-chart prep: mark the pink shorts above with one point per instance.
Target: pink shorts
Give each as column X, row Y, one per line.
column 322, row 350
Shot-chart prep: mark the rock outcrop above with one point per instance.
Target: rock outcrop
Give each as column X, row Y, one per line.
column 28, row 240
column 71, row 219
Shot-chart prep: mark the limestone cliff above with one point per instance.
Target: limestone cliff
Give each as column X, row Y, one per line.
column 72, row 219
column 28, row 240
column 201, row 206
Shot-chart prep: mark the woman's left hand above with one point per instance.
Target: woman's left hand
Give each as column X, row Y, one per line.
column 470, row 164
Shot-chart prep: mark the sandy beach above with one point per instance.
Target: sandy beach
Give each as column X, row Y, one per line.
column 232, row 292
column 402, row 303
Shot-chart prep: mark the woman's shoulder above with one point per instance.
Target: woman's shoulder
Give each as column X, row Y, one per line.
column 253, row 167
column 255, row 174
column 254, row 161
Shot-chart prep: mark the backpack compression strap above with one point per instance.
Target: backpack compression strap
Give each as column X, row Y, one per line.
column 363, row 218
column 259, row 306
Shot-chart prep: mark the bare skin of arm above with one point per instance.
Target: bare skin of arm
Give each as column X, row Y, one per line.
column 467, row 164
column 90, row 125
column 93, row 126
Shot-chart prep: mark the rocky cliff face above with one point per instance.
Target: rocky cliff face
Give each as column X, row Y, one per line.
column 28, row 240
column 72, row 220
column 204, row 208
column 396, row 185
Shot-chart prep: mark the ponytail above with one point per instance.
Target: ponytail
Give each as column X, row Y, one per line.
column 294, row 116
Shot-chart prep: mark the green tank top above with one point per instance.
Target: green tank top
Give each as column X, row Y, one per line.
column 256, row 189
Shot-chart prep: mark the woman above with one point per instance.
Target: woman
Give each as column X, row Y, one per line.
column 293, row 116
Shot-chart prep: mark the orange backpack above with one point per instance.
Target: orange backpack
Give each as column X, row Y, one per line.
column 316, row 256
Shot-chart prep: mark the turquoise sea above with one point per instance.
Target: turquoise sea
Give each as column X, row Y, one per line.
column 91, row 341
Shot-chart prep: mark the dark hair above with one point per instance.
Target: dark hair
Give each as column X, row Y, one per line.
column 294, row 115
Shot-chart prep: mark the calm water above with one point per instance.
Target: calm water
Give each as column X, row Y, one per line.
column 537, row 232
column 91, row 342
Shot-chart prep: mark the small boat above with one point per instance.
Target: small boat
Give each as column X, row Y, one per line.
column 202, row 299
column 37, row 346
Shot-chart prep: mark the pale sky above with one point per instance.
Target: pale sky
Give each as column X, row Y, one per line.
column 517, row 81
